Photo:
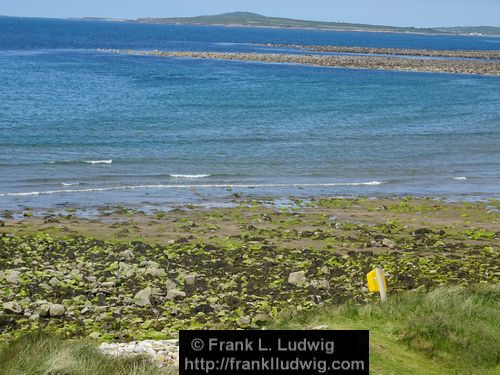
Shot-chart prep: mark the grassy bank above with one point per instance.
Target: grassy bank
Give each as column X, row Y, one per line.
column 445, row 331
column 44, row 354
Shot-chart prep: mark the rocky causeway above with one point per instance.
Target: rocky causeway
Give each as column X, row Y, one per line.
column 455, row 54
column 457, row 66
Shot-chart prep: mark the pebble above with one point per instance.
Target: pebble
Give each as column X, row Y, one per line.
column 163, row 353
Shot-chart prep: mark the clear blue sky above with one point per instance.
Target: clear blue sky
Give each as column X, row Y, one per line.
column 388, row 12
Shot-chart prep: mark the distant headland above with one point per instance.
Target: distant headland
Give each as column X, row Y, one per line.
column 249, row 19
column 257, row 20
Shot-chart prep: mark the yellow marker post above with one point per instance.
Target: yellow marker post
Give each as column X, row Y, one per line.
column 377, row 283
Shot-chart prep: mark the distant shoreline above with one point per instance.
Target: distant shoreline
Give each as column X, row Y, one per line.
column 329, row 26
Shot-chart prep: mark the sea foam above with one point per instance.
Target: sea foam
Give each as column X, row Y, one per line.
column 99, row 161
column 189, row 175
column 189, row 186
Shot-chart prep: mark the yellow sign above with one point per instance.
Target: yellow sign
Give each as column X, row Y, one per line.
column 373, row 282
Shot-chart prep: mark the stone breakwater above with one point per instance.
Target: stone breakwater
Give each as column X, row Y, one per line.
column 458, row 54
column 354, row 62
column 163, row 353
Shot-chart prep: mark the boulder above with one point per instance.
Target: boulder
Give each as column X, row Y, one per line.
column 54, row 281
column 321, row 284
column 169, row 284
column 175, row 294
column 244, row 320
column 141, row 298
column 190, row 280
column 260, row 319
column 56, row 310
column 154, row 269
column 13, row 277
column 108, row 284
column 126, row 255
column 325, row 270
column 297, row 278
column 12, row 308
column 388, row 243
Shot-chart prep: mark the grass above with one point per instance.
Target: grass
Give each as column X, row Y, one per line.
column 45, row 354
column 446, row 331
column 450, row 330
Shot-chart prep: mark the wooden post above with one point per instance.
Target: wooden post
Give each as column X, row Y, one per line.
column 381, row 284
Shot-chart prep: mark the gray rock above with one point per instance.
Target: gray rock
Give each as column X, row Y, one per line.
column 50, row 219
column 54, row 281
column 244, row 320
column 44, row 310
column 13, row 277
column 325, row 270
column 320, row 328
column 126, row 254
column 154, row 269
column 321, row 284
column 260, row 319
column 141, row 298
column 190, row 280
column 85, row 310
column 56, row 310
column 297, row 278
column 175, row 294
column 169, row 284
column 12, row 308
column 388, row 243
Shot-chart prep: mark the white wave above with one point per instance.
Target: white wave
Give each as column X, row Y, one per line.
column 189, row 175
column 99, row 161
column 462, row 178
column 69, row 183
column 81, row 161
column 190, row 186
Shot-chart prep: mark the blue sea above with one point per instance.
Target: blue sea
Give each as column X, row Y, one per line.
column 83, row 127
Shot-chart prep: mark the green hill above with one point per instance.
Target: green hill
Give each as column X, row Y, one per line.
column 253, row 19
column 257, row 20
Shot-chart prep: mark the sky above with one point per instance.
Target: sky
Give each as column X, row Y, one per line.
column 419, row 13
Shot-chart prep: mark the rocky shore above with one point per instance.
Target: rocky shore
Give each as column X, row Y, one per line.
column 126, row 275
column 456, row 54
column 481, row 67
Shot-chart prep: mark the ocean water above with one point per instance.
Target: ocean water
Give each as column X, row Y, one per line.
column 83, row 127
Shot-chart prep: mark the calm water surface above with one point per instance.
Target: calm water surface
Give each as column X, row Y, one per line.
column 84, row 127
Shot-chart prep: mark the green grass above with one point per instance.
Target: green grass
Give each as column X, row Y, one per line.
column 446, row 331
column 42, row 354
column 450, row 330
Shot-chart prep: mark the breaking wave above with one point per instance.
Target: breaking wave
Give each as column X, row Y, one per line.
column 189, row 175
column 186, row 186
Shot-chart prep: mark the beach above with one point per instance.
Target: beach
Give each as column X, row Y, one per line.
column 127, row 275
